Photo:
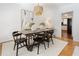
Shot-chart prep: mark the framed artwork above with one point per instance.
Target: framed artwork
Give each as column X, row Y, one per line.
column 26, row 16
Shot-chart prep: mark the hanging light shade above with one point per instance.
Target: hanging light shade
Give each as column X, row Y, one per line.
column 38, row 10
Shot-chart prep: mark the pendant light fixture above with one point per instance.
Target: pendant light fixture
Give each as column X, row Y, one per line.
column 38, row 10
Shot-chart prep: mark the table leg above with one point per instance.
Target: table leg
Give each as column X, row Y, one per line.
column 29, row 47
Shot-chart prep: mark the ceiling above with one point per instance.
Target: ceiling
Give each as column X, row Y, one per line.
column 57, row 4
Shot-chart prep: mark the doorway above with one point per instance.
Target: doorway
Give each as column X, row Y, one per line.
column 67, row 25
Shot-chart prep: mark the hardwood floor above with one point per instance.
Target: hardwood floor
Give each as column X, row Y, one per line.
column 66, row 35
column 69, row 48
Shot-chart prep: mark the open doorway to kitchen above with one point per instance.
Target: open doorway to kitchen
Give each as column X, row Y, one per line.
column 67, row 24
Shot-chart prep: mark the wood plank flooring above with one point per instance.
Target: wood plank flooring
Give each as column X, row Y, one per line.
column 68, row 49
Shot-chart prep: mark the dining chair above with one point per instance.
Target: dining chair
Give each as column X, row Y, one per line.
column 38, row 39
column 48, row 36
column 19, row 41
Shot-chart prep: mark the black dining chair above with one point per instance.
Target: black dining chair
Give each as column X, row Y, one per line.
column 38, row 39
column 48, row 36
column 19, row 41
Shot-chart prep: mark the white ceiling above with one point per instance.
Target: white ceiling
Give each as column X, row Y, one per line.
column 46, row 4
column 57, row 4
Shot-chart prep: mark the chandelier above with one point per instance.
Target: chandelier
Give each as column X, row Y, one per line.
column 38, row 10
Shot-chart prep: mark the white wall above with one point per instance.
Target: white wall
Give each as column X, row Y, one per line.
column 10, row 18
column 75, row 20
column 53, row 12
column 56, row 20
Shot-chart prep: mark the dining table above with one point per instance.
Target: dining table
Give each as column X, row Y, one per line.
column 29, row 36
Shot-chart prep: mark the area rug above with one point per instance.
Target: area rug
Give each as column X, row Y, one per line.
column 76, row 51
column 53, row 50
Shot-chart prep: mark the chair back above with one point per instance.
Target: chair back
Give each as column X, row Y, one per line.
column 48, row 34
column 16, row 35
column 51, row 32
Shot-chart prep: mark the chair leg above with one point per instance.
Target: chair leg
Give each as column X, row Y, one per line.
column 48, row 44
column 44, row 45
column 38, row 49
column 52, row 41
column 26, row 42
column 48, row 41
column 17, row 50
column 23, row 43
column 14, row 46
